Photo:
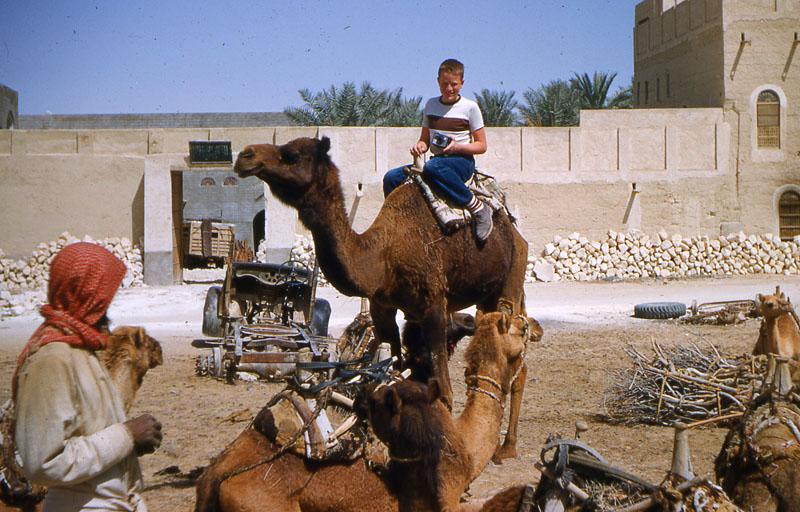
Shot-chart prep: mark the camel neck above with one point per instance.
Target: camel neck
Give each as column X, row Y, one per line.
column 344, row 255
column 481, row 419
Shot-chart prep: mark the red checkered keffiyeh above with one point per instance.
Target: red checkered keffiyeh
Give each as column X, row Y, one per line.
column 84, row 278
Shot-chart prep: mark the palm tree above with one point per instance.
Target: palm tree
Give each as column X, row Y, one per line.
column 594, row 91
column 347, row 106
column 553, row 104
column 497, row 107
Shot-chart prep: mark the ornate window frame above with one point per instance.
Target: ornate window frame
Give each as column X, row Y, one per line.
column 767, row 154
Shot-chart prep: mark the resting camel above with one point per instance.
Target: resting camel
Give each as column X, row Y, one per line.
column 779, row 333
column 130, row 353
column 431, row 472
column 402, row 261
column 245, row 476
column 759, row 463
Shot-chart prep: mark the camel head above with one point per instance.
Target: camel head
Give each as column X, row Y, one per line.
column 407, row 417
column 771, row 306
column 130, row 353
column 499, row 344
column 290, row 170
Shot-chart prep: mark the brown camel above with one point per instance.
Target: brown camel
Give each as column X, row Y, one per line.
column 429, row 477
column 780, row 332
column 250, row 475
column 759, row 463
column 130, row 353
column 402, row 261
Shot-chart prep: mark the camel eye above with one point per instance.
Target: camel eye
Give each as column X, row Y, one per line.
column 289, row 157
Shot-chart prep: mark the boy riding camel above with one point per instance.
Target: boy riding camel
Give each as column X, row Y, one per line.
column 452, row 128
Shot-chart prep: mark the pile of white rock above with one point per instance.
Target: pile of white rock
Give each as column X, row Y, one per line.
column 636, row 255
column 23, row 283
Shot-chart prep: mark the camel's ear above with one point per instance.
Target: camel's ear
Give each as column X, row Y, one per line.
column 324, row 146
column 478, row 316
column 434, row 390
column 760, row 298
column 536, row 329
column 503, row 324
column 139, row 337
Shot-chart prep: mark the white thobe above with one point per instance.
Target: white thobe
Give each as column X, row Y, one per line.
column 70, row 433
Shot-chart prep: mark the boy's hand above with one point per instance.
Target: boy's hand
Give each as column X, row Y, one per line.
column 419, row 148
column 450, row 149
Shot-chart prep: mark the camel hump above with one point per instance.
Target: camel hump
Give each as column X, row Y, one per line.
column 452, row 218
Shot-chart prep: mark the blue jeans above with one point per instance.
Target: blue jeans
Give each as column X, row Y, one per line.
column 446, row 174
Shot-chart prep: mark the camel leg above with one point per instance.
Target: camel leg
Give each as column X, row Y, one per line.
column 386, row 328
column 434, row 327
column 419, row 358
column 509, row 448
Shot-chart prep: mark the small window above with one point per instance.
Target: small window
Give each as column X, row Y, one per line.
column 638, row 93
column 667, row 84
column 208, row 182
column 789, row 215
column 768, row 120
column 10, row 121
column 658, row 89
column 230, row 181
column 646, row 92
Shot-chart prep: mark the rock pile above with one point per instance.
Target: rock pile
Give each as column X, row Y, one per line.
column 23, row 283
column 636, row 255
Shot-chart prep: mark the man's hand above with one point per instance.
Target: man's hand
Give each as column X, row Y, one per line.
column 451, row 148
column 419, row 148
column 146, row 432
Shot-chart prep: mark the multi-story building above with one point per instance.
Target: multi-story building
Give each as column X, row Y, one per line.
column 741, row 56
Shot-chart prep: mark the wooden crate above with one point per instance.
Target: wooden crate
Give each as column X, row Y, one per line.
column 220, row 241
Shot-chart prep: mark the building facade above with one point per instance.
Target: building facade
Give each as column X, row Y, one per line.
column 741, row 56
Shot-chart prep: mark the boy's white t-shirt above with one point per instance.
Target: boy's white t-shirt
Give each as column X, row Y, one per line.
column 458, row 120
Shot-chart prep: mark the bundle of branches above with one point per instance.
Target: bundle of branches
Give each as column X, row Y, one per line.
column 683, row 383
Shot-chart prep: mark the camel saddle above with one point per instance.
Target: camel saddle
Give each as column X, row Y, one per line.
column 294, row 424
column 451, row 218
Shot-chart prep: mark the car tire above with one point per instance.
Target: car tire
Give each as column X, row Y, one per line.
column 212, row 323
column 659, row 310
column 320, row 316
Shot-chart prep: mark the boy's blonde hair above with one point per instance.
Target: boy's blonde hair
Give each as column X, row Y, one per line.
column 452, row 66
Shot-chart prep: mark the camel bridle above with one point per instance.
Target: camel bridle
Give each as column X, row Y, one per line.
column 526, row 333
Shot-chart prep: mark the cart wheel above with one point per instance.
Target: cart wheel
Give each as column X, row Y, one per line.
column 659, row 310
column 320, row 316
column 212, row 324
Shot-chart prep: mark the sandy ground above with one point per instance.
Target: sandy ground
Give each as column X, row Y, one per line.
column 585, row 324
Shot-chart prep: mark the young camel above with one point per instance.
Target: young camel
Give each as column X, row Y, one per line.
column 130, row 353
column 250, row 476
column 779, row 333
column 433, row 456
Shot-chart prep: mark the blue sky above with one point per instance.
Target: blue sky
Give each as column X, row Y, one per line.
column 78, row 57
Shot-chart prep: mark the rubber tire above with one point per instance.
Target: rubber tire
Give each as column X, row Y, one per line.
column 212, row 323
column 320, row 316
column 659, row 310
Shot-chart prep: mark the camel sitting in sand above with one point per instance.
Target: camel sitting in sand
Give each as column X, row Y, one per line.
column 433, row 456
column 759, row 463
column 130, row 353
column 779, row 333
column 251, row 475
column 402, row 261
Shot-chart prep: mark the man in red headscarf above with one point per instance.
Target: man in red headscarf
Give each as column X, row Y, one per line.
column 71, row 430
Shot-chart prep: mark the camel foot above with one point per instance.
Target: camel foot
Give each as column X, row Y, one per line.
column 504, row 452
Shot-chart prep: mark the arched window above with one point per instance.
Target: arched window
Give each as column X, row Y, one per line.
column 768, row 119
column 230, row 181
column 207, row 182
column 789, row 214
column 10, row 120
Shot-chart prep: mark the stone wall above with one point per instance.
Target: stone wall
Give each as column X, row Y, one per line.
column 624, row 170
column 138, row 121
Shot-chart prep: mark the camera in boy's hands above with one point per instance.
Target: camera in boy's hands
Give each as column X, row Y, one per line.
column 440, row 140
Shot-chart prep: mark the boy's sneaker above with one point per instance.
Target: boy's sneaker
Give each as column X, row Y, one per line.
column 483, row 223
